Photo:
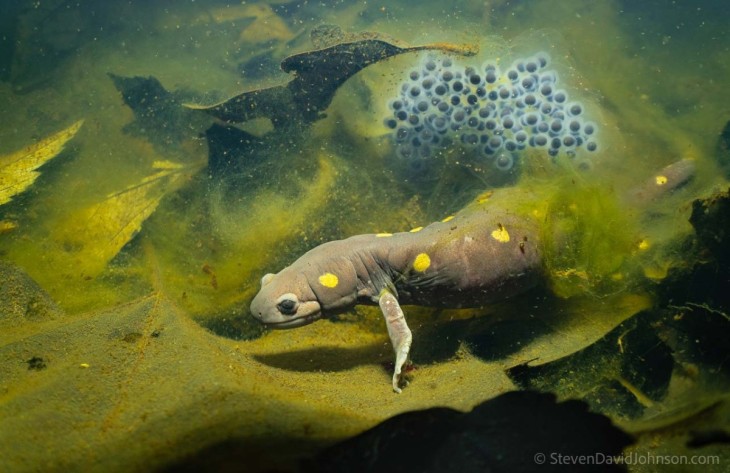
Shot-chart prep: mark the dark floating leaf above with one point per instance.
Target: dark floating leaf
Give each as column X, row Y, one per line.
column 317, row 76
column 159, row 115
column 518, row 431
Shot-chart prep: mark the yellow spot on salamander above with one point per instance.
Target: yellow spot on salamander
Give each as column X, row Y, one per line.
column 417, row 229
column 644, row 245
column 450, row 217
column 329, row 280
column 381, row 235
column 501, row 234
column 661, row 180
column 422, row 262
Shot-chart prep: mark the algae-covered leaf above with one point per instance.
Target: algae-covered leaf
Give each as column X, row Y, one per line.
column 95, row 234
column 18, row 170
column 317, row 76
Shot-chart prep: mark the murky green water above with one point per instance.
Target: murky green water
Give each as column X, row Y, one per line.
column 151, row 230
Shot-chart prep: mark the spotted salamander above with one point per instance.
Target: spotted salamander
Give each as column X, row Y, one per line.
column 484, row 253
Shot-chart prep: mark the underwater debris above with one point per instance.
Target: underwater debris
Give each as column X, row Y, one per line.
column 36, row 364
column 18, row 169
column 317, row 76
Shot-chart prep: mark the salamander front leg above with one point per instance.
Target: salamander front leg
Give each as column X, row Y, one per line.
column 400, row 334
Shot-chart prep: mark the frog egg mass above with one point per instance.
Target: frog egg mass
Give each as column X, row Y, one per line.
column 497, row 113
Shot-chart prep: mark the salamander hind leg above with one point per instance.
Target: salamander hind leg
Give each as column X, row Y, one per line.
column 400, row 334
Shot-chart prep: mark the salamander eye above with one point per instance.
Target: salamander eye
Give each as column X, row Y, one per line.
column 287, row 304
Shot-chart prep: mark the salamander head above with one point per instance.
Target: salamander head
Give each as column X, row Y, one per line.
column 285, row 301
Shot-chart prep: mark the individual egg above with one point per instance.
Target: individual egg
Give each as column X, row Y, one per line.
column 510, row 145
column 556, row 126
column 440, row 124
column 459, row 116
column 414, row 75
column 440, row 89
column 546, row 89
column 473, row 122
column 427, row 83
column 490, row 77
column 472, row 99
column 543, row 127
column 457, row 86
column 396, row 104
column 481, row 92
column 413, row 119
column 555, row 143
column 546, row 108
column 430, row 65
column 540, row 140
column 493, row 95
column 455, row 100
column 443, row 107
column 446, row 62
column 569, row 141
column 391, row 123
column 531, row 66
column 402, row 134
column 508, row 122
column 513, row 75
column 495, row 142
column 490, row 124
column 447, row 76
column 530, row 100
column 574, row 126
column 543, row 59
column 422, row 106
column 589, row 128
column 591, row 146
column 426, row 135
column 475, row 79
column 401, row 115
column 560, row 96
column 530, row 119
column 504, row 93
column 575, row 109
column 414, row 91
column 504, row 161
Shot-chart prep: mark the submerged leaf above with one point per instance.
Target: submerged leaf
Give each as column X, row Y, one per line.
column 317, row 76
column 95, row 234
column 18, row 170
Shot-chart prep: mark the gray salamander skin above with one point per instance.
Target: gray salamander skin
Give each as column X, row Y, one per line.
column 481, row 255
